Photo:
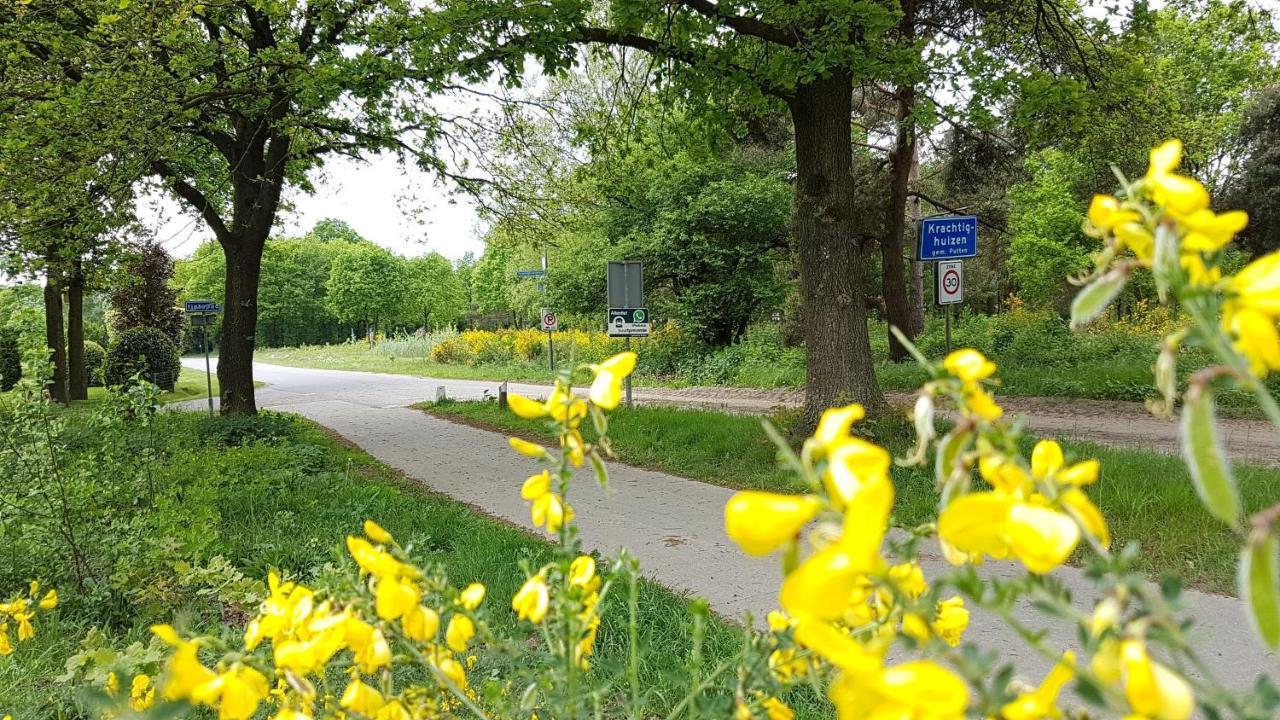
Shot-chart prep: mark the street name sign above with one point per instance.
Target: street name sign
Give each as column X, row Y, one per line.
column 629, row 322
column 950, row 279
column 531, row 273
column 948, row 238
column 202, row 306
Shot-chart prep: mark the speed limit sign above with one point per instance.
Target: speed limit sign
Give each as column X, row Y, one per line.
column 549, row 320
column 950, row 282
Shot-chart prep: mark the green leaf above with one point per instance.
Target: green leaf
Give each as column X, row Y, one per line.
column 1257, row 584
column 949, row 448
column 1202, row 450
column 1166, row 266
column 1095, row 297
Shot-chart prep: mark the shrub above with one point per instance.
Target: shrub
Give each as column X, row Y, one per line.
column 143, row 350
column 10, row 361
column 95, row 358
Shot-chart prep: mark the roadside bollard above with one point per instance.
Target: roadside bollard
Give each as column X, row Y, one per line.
column 502, row 395
column 440, row 394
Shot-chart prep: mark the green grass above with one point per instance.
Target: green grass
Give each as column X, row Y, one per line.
column 355, row 356
column 1121, row 379
column 728, row 450
column 1145, row 497
column 190, row 386
column 286, row 504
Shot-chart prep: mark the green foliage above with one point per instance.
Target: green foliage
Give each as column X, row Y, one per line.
column 145, row 351
column 143, row 296
column 1047, row 244
column 366, row 284
column 10, row 360
column 22, row 314
column 1255, row 188
column 291, row 301
column 434, row 295
column 713, row 234
column 95, row 361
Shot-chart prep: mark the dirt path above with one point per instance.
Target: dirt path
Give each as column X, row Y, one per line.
column 1124, row 424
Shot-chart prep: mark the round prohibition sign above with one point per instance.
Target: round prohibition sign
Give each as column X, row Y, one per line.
column 951, row 281
column 549, row 319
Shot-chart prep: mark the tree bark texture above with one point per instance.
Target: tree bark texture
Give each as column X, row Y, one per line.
column 53, row 333
column 897, row 302
column 239, row 329
column 830, row 253
column 915, row 289
column 77, row 373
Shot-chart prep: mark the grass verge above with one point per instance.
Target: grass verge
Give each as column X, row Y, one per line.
column 1123, row 380
column 278, row 492
column 1146, row 498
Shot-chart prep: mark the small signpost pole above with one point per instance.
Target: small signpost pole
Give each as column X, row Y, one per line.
column 208, row 374
column 204, row 313
column 946, row 312
column 549, row 322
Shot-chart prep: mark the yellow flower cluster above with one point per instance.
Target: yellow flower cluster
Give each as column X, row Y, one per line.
column 582, row 597
column 845, row 602
column 142, row 692
column 1152, row 690
column 1179, row 219
column 21, row 611
column 306, row 632
column 1036, row 513
column 1035, row 516
column 548, row 507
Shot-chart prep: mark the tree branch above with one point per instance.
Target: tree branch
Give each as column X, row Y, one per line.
column 194, row 198
column 949, row 209
column 742, row 24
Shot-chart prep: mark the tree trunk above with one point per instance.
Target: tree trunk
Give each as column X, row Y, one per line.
column 897, row 303
column 829, row 250
column 239, row 326
column 915, row 290
column 53, row 334
column 77, row 373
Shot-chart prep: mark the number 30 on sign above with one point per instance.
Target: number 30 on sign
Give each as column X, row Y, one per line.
column 950, row 282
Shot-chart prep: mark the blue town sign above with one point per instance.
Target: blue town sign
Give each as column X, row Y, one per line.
column 948, row 238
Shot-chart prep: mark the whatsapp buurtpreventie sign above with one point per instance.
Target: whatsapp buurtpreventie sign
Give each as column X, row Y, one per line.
column 629, row 322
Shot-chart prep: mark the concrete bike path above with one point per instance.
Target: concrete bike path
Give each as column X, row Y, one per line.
column 672, row 524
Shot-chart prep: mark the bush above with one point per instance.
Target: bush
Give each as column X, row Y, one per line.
column 147, row 351
column 10, row 361
column 95, row 360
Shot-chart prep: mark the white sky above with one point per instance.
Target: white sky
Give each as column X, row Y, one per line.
column 401, row 208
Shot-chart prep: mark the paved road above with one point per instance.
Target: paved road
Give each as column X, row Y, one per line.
column 672, row 524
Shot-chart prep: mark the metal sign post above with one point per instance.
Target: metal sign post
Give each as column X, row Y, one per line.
column 628, row 317
column 949, row 289
column 550, row 322
column 204, row 313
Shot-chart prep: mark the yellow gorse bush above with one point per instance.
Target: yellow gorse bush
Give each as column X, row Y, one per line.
column 1163, row 222
column 20, row 612
column 857, row 618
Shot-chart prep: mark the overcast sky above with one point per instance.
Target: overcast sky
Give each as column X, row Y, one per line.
column 400, row 208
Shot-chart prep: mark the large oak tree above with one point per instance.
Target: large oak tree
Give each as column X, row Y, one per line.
column 229, row 101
